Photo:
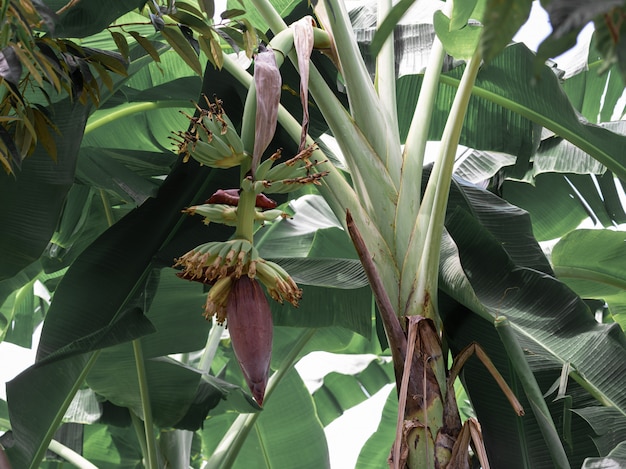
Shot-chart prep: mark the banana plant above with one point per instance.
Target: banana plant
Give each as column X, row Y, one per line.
column 405, row 252
column 438, row 288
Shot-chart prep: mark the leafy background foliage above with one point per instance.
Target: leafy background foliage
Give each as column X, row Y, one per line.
column 100, row 225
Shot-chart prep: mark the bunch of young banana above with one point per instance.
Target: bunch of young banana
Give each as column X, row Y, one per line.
column 282, row 177
column 218, row 263
column 218, row 259
column 212, row 141
column 227, row 214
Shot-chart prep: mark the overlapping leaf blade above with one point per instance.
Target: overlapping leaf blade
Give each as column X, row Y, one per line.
column 119, row 259
column 288, row 421
column 597, row 274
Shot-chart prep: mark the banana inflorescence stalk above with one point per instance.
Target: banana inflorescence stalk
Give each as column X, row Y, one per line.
column 234, row 268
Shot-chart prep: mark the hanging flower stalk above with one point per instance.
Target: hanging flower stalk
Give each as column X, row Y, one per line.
column 234, row 268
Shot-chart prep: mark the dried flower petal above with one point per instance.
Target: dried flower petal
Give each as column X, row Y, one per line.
column 268, row 86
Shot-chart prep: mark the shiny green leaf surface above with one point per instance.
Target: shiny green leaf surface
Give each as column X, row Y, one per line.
column 598, row 273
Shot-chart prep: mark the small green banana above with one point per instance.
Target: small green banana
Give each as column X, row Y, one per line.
column 232, row 137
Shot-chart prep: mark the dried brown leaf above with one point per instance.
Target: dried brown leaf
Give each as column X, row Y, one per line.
column 45, row 137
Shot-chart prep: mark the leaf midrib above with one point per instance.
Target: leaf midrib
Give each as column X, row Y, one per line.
column 559, row 129
column 583, row 273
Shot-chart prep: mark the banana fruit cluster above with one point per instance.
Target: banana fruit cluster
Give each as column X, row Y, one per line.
column 211, row 138
column 227, row 214
column 221, row 263
column 284, row 177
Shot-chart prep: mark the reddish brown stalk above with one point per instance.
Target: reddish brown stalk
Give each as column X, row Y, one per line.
column 395, row 334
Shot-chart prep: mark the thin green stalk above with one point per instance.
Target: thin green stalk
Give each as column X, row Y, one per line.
column 71, row 456
column 270, row 15
column 215, row 335
column 130, row 109
column 41, row 450
column 385, row 80
column 107, row 207
column 248, row 124
column 245, row 215
column 534, row 394
column 151, row 454
column 364, row 101
column 139, row 431
column 432, row 211
column 409, row 193
column 228, row 448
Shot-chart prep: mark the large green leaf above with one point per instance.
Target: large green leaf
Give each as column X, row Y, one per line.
column 508, row 82
column 173, row 387
column 511, row 440
column 142, row 115
column 376, row 450
column 591, row 262
column 508, row 131
column 28, row 223
column 339, row 392
column 551, row 321
column 32, row 435
column 315, row 250
column 596, row 95
column 119, row 259
column 552, row 203
column 308, row 231
column 608, row 424
column 32, row 201
column 328, row 307
column 287, row 433
column 90, row 16
column 111, row 447
column 616, row 458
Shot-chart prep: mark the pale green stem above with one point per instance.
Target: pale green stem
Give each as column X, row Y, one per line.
column 364, row 101
column 41, row 450
column 270, row 15
column 228, row 448
column 129, row 110
column 107, row 207
column 70, row 456
column 66, row 453
column 204, row 366
column 533, row 393
column 140, row 432
column 213, row 342
column 414, row 150
column 433, row 208
column 386, row 73
column 245, row 215
column 248, row 126
column 151, row 455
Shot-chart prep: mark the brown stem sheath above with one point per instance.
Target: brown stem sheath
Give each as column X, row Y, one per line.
column 395, row 334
